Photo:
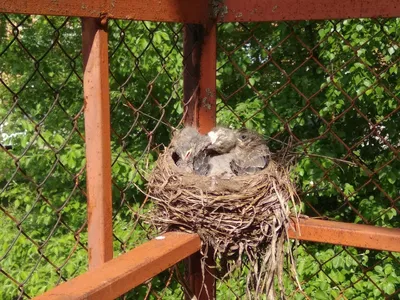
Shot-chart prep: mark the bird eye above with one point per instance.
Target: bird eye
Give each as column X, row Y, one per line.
column 243, row 136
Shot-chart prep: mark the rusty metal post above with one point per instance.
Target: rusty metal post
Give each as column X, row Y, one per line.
column 200, row 104
column 97, row 138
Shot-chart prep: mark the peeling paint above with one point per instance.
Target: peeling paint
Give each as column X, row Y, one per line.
column 206, row 104
column 205, row 101
column 218, row 9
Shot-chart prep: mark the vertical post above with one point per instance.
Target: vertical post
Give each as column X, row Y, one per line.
column 199, row 86
column 200, row 99
column 97, row 138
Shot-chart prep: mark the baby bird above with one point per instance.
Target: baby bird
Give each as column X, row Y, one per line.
column 189, row 144
column 220, row 166
column 223, row 140
column 214, row 160
column 251, row 153
column 219, row 152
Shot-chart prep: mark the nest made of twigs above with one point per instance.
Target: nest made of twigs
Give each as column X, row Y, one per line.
column 245, row 219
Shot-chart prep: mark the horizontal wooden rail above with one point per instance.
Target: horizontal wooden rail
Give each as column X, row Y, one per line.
column 198, row 11
column 348, row 234
column 127, row 271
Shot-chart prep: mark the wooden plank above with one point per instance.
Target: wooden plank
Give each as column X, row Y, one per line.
column 200, row 56
column 97, row 139
column 348, row 234
column 197, row 11
column 129, row 270
column 280, row 10
column 193, row 11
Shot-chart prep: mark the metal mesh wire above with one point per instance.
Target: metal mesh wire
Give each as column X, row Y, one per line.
column 330, row 88
column 335, row 94
column 42, row 194
column 146, row 65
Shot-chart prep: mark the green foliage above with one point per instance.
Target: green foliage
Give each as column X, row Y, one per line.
column 334, row 269
column 329, row 99
column 328, row 83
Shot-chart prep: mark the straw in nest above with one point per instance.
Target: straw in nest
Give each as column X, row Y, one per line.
column 244, row 219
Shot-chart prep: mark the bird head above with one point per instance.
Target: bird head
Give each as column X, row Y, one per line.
column 247, row 138
column 185, row 142
column 185, row 153
column 243, row 137
column 222, row 140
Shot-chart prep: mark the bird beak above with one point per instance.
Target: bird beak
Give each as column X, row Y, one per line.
column 187, row 154
column 213, row 136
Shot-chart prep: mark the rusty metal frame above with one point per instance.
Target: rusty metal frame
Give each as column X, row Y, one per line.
column 197, row 11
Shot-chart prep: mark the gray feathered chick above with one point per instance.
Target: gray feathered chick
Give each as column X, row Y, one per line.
column 219, row 152
column 220, row 166
column 223, row 140
column 251, row 153
column 189, row 146
column 201, row 161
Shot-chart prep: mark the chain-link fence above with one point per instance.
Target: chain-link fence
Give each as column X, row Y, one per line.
column 146, row 87
column 331, row 89
column 43, row 198
column 328, row 88
column 43, row 180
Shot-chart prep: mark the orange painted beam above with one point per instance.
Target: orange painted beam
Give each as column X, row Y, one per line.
column 129, row 270
column 276, row 10
column 348, row 234
column 200, row 56
column 193, row 11
column 97, row 138
column 207, row 105
column 197, row 11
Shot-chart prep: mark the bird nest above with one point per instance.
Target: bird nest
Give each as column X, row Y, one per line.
column 244, row 219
